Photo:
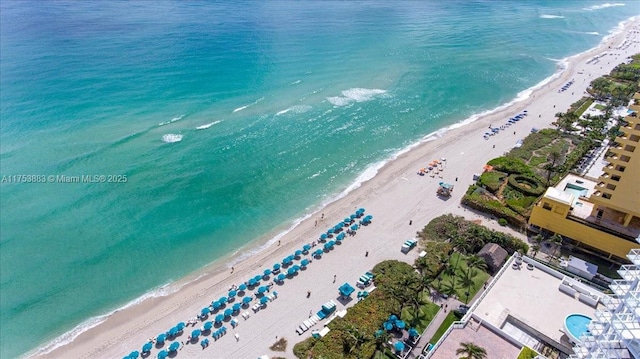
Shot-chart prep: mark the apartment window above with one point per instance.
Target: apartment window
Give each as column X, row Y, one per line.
column 634, row 138
column 620, row 168
column 611, row 187
column 606, row 195
column 624, row 158
column 546, row 206
column 637, row 126
column 615, row 178
column 629, row 148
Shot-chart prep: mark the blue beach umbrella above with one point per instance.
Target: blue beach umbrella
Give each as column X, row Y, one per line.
column 161, row 338
column 242, row 287
column 246, row 300
column 354, row 227
column 400, row 324
column 353, row 216
column 134, row 354
column 340, row 236
column 180, row 325
column 196, row 333
column 236, row 307
column 174, row 346
column 327, row 246
column 228, row 312
column 264, row 300
column 252, row 282
column 286, row 260
column 317, row 253
column 387, row 326
column 393, row 318
column 338, row 227
column 304, row 262
column 222, row 300
column 258, row 277
column 330, row 230
column 219, row 318
column 399, row 346
column 368, row 218
column 204, row 311
column 267, row 271
column 163, row 354
column 173, row 331
column 378, row 333
column 215, row 305
column 413, row 332
column 323, row 236
column 281, row 277
column 291, row 271
column 306, row 247
column 147, row 347
column 262, row 289
column 208, row 326
column 276, row 266
column 347, row 220
column 232, row 293
column 296, row 267
column 298, row 253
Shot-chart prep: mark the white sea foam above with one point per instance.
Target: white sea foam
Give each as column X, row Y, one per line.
column 592, row 33
column 603, row 6
column 295, row 82
column 544, row 16
column 355, row 95
column 295, row 109
column 171, row 138
column 251, row 104
column 204, row 127
column 92, row 322
column 175, row 119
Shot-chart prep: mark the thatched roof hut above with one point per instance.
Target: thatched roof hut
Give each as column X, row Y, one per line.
column 494, row 255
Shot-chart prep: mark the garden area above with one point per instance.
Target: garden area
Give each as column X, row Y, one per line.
column 463, row 277
column 360, row 333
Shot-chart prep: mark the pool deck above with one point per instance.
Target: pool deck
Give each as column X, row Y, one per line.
column 532, row 298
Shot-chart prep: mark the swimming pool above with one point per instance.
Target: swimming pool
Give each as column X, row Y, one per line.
column 577, row 191
column 575, row 325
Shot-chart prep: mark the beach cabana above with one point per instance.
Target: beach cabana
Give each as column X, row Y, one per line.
column 147, row 347
column 204, row 343
column 246, row 300
column 219, row 318
column 346, row 289
column 161, row 338
column 196, row 333
column 163, row 354
column 264, row 300
column 304, row 262
column 399, row 346
column 208, row 325
column 174, row 347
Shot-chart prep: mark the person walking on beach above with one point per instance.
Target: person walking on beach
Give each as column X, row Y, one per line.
column 308, row 293
column 334, row 278
column 410, row 222
column 366, row 254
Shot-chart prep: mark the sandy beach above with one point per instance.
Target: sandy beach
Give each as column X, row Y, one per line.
column 401, row 203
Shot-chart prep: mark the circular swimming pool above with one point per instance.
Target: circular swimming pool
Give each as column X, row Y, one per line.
column 575, row 325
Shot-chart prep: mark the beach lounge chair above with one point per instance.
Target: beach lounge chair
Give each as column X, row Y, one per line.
column 256, row 307
column 246, row 315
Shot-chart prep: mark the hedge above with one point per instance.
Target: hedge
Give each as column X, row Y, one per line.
column 538, row 187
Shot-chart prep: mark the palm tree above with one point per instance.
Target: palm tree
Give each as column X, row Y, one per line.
column 471, row 351
column 466, row 280
column 557, row 239
column 535, row 248
column 354, row 338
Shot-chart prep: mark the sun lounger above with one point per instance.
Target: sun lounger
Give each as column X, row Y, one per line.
column 245, row 315
column 256, row 308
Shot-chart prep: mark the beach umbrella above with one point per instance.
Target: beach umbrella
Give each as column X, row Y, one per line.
column 365, row 294
column 298, row 253
column 258, row 277
column 378, row 333
column 400, row 324
column 346, row 289
column 173, row 331
column 174, row 346
column 219, row 318
column 327, row 246
column 236, row 307
column 262, row 289
column 291, row 271
column 267, row 271
column 264, row 300
column 330, row 230
column 161, row 338
column 413, row 332
column 246, row 300
column 180, row 325
column 393, row 318
column 354, row 227
column 242, row 287
column 387, row 326
column 203, row 343
column 323, row 236
column 215, row 305
column 204, row 311
column 338, row 227
column 252, row 282
column 304, row 262
column 332, row 243
column 163, row 354
column 286, row 260
column 196, row 333
column 228, row 312
column 353, row 216
column 306, row 248
column 296, row 267
column 232, row 293
column 276, row 266
column 368, row 218
column 360, row 210
column 222, row 300
column 134, row 354
column 208, row 326
column 340, row 236
column 347, row 220
column 281, row 277
column 317, row 253
column 399, row 346
column 147, row 347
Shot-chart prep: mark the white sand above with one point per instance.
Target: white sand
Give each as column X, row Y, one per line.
column 394, row 197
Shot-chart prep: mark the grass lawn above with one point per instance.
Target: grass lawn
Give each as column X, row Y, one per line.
column 448, row 320
column 445, row 280
column 600, row 107
column 426, row 313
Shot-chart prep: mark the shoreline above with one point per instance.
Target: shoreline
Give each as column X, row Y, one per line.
column 213, row 279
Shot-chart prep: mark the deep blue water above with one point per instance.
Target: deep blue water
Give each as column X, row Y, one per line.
column 295, row 101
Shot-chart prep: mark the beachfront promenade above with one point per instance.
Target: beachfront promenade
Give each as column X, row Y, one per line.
column 402, row 203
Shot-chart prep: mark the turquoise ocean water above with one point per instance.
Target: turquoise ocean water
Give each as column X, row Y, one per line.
column 228, row 120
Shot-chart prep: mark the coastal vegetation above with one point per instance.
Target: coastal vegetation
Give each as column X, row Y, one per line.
column 527, row 353
column 446, row 323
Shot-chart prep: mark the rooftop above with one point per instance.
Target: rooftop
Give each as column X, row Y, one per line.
column 495, row 345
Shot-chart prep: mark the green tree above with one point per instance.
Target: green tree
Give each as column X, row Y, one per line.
column 353, row 339
column 471, row 351
column 535, row 248
column 557, row 240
